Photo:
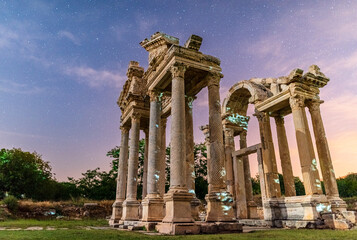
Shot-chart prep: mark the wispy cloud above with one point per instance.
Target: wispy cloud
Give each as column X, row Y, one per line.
column 69, row 36
column 96, row 78
column 18, row 88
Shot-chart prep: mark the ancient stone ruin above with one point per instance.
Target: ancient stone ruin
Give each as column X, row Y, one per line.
column 176, row 74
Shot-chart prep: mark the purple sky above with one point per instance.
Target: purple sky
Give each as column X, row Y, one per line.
column 63, row 64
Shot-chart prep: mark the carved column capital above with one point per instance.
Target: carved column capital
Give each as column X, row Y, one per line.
column 213, row 79
column 314, row 105
column 154, row 95
column 279, row 120
column 297, row 102
column 124, row 129
column 259, row 115
column 178, row 70
column 136, row 116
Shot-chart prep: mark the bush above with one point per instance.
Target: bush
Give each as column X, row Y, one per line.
column 11, row 203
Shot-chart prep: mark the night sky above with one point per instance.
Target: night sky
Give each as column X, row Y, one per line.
column 63, row 64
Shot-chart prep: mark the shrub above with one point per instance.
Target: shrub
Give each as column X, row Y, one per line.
column 11, row 203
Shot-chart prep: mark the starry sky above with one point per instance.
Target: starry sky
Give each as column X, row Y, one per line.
column 63, row 64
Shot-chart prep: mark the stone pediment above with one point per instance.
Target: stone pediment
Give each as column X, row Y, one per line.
column 134, row 88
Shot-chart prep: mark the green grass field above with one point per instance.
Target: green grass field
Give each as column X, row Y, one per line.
column 76, row 231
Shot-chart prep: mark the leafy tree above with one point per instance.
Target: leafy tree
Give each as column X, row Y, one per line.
column 200, row 156
column 24, row 174
column 347, row 186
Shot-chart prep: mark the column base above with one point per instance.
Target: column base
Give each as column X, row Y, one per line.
column 117, row 212
column 130, row 210
column 153, row 208
column 337, row 204
column 195, row 208
column 178, row 205
column 252, row 210
column 219, row 207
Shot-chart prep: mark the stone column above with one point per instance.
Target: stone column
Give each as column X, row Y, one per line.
column 153, row 204
column 229, row 149
column 190, row 160
column 308, row 161
column 323, row 151
column 121, row 179
column 251, row 205
column 284, row 153
column 178, row 199
column 268, row 154
column 162, row 179
column 241, row 199
column 145, row 174
column 131, row 204
column 219, row 201
column 205, row 130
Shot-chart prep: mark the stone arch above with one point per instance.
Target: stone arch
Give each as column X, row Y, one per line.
column 241, row 94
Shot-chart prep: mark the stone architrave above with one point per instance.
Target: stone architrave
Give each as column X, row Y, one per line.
column 284, row 153
column 268, row 154
column 131, row 204
column 178, row 199
column 219, row 201
column 121, row 179
column 145, row 173
column 229, row 148
column 308, row 161
column 190, row 160
column 153, row 204
column 323, row 151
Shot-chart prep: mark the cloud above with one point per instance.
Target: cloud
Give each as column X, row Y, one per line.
column 18, row 88
column 69, row 36
column 96, row 78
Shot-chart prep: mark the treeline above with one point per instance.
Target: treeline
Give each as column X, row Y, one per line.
column 27, row 175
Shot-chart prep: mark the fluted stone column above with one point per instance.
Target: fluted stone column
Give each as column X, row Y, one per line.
column 284, row 153
column 162, row 179
column 121, row 179
column 219, row 201
column 323, row 151
column 229, row 149
column 269, row 160
column 190, row 160
column 153, row 204
column 145, row 174
column 178, row 199
column 251, row 205
column 308, row 161
column 131, row 204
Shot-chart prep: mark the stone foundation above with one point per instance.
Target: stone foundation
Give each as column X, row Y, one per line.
column 199, row 228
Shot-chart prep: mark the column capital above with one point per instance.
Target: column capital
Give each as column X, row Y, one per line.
column 228, row 132
column 213, row 78
column 136, row 116
column 296, row 102
column 314, row 105
column 124, row 129
column 279, row 120
column 178, row 70
column 259, row 115
column 154, row 95
column 243, row 135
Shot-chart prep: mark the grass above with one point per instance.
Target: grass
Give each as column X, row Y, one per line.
column 74, row 232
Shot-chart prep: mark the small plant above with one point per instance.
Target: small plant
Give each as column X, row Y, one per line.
column 11, row 203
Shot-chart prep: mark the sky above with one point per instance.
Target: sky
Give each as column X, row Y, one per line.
column 63, row 65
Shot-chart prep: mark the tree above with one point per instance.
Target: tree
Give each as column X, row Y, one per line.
column 201, row 183
column 347, row 186
column 24, row 174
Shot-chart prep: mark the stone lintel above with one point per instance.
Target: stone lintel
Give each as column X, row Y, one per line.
column 246, row 151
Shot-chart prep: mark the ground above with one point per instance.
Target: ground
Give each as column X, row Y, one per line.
column 98, row 229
